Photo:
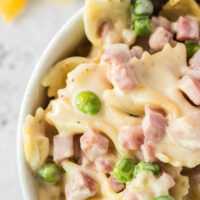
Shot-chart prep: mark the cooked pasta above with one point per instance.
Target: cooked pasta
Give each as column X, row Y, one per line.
column 59, row 71
column 127, row 115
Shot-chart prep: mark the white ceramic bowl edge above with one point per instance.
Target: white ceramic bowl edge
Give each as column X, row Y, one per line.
column 64, row 42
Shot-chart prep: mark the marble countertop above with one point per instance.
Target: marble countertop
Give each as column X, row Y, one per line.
column 21, row 44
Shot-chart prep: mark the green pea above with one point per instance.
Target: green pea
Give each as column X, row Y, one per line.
column 142, row 8
column 123, row 170
column 191, row 48
column 49, row 172
column 142, row 26
column 163, row 198
column 88, row 103
column 145, row 166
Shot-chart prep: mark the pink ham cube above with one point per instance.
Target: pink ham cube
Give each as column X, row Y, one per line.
column 81, row 187
column 148, row 153
column 122, row 77
column 116, row 54
column 194, row 61
column 104, row 29
column 154, row 124
column 160, row 38
column 121, row 73
column 131, row 138
column 62, row 147
column 116, row 186
column 187, row 29
column 104, row 165
column 191, row 87
column 93, row 144
column 160, row 21
column 137, row 51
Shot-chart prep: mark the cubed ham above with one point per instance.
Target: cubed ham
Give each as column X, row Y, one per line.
column 116, row 186
column 104, row 165
column 137, row 51
column 187, row 29
column 104, row 29
column 154, row 124
column 81, row 187
column 131, row 138
column 167, row 179
column 186, row 131
column 116, row 54
column 93, row 144
column 191, row 87
column 159, row 38
column 195, row 73
column 122, row 77
column 121, row 72
column 158, row 21
column 130, row 195
column 62, row 147
column 148, row 153
column 79, row 156
column 194, row 61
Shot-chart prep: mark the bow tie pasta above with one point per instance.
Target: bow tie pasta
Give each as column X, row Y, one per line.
column 108, row 21
column 36, row 144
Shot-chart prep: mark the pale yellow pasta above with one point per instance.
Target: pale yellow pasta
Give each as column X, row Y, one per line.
column 117, row 13
column 146, row 186
column 48, row 191
column 193, row 192
column 175, row 8
column 55, row 78
column 70, row 166
column 181, row 187
column 36, row 144
column 164, row 151
column 63, row 114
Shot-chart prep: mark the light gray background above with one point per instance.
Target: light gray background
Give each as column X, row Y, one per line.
column 21, row 44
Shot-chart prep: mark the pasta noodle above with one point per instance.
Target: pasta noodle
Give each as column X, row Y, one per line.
column 60, row 71
column 180, row 189
column 36, row 144
column 148, row 186
column 116, row 12
column 174, row 8
column 54, row 192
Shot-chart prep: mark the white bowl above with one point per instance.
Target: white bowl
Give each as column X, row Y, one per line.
column 62, row 45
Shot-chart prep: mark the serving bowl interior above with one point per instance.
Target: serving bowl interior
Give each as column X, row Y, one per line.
column 61, row 46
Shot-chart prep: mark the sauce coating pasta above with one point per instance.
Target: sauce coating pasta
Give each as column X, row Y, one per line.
column 123, row 122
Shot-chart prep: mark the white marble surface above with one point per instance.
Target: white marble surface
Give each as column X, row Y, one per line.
column 21, row 44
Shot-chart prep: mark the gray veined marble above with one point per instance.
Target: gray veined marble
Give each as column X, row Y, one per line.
column 21, row 44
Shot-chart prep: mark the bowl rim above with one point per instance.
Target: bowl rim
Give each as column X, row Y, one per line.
column 25, row 101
